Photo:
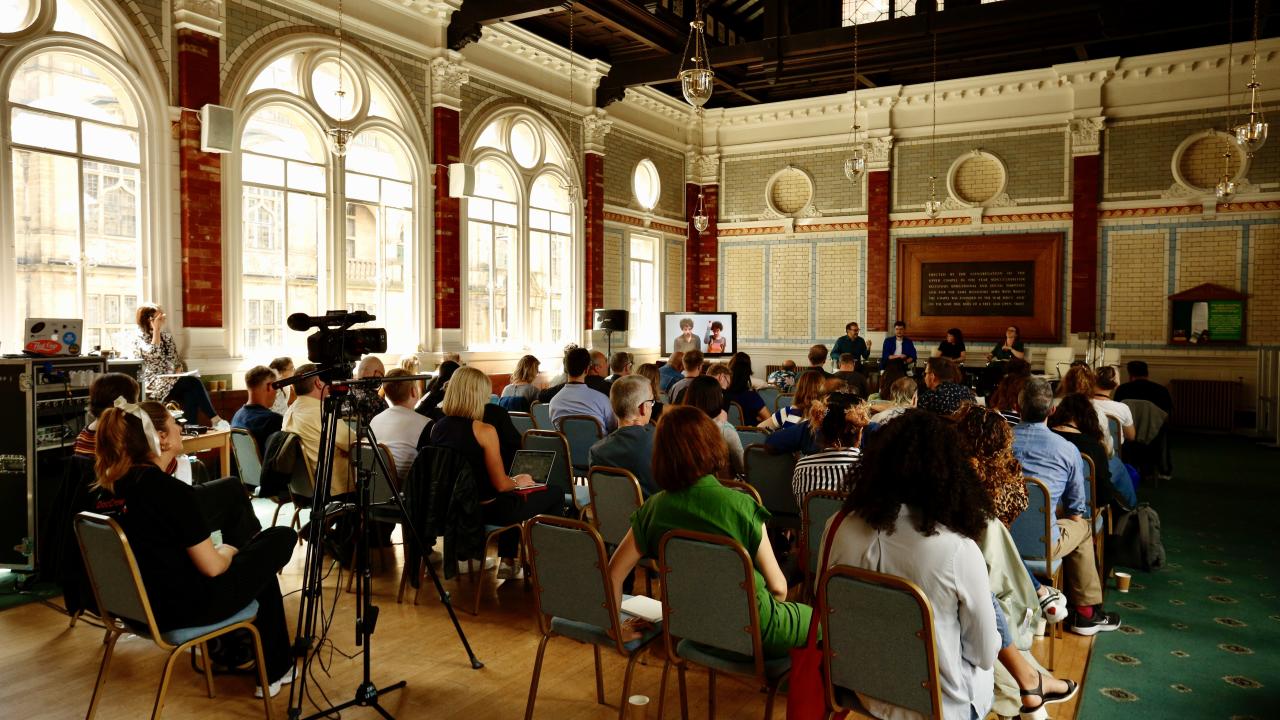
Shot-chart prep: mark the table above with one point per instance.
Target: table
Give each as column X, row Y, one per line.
column 219, row 440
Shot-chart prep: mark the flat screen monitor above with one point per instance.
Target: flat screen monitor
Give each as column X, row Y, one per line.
column 715, row 334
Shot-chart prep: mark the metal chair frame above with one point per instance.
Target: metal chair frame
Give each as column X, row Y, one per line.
column 1054, row 578
column 250, row 476
column 564, row 448
column 743, row 488
column 649, row 565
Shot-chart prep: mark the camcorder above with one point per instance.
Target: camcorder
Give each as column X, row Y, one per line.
column 336, row 346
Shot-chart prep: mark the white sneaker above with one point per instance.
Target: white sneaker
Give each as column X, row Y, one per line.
column 510, row 571
column 465, row 566
column 1054, row 605
column 275, row 686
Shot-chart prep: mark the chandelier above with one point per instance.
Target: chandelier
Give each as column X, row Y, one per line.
column 570, row 187
column 933, row 206
column 700, row 219
column 1226, row 186
column 1252, row 134
column 339, row 135
column 856, row 163
column 698, row 81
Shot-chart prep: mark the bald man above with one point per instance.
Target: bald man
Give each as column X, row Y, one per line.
column 598, row 372
column 368, row 402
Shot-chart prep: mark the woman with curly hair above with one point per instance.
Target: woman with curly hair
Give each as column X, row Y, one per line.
column 839, row 420
column 916, row 509
column 1005, row 397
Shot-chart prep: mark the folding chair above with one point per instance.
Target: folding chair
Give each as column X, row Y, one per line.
column 751, row 435
column 735, row 414
column 581, row 431
column 614, row 495
column 818, row 507
column 124, row 608
column 1032, row 533
column 575, row 496
column 771, row 475
column 541, row 414
column 769, row 395
column 1101, row 516
column 743, row 488
column 523, row 421
column 247, row 458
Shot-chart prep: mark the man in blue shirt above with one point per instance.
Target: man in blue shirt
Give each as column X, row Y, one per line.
column 256, row 415
column 850, row 343
column 1058, row 463
column 630, row 447
column 576, row 398
column 672, row 372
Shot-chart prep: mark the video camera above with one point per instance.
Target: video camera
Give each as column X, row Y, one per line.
column 337, row 345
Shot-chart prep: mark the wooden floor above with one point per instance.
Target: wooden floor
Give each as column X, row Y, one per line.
column 48, row 669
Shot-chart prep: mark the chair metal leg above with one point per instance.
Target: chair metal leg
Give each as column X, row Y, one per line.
column 626, row 685
column 112, row 637
column 262, row 668
column 711, row 694
column 768, row 702
column 537, row 673
column 208, row 667
column 662, row 688
column 684, row 694
column 275, row 517
column 164, row 685
column 599, row 675
column 478, row 575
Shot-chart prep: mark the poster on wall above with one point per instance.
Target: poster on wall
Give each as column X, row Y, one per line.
column 1207, row 314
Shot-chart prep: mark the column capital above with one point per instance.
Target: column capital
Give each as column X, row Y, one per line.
column 704, row 168
column 594, row 129
column 448, row 75
column 879, row 151
column 202, row 16
column 1086, row 135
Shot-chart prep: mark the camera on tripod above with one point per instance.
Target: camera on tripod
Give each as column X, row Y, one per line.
column 337, row 345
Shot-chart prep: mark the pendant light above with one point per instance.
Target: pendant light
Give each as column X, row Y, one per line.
column 933, row 206
column 856, row 163
column 1252, row 134
column 698, row 81
column 339, row 134
column 700, row 220
column 571, row 188
column 1226, row 186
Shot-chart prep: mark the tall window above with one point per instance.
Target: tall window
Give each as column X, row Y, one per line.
column 520, row 238
column 644, row 291
column 75, row 154
column 297, row 256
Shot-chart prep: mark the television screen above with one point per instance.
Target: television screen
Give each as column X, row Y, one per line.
column 715, row 334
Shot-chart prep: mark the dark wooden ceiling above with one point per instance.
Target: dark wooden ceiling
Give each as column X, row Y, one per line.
column 772, row 50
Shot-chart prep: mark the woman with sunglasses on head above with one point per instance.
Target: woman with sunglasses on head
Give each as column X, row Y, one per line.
column 839, row 419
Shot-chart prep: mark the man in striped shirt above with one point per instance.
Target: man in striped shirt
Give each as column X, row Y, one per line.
column 102, row 394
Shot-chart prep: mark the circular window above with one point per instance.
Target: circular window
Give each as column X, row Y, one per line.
column 15, row 15
column 646, row 184
column 790, row 191
column 1199, row 163
column 976, row 178
column 339, row 101
column 524, row 144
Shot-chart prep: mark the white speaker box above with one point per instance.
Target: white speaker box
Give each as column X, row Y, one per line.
column 217, row 129
column 462, row 180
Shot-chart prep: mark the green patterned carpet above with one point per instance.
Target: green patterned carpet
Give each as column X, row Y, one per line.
column 1201, row 638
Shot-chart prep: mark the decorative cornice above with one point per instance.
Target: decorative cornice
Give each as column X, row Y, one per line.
column 1026, row 218
column 1085, row 135
column 930, row 222
column 657, row 103
column 1253, row 206
column 435, row 11
column 594, row 129
column 742, row 231
column 530, row 48
column 202, row 16
column 644, row 222
column 829, row 227
column 704, row 169
column 448, row 75
column 1151, row 211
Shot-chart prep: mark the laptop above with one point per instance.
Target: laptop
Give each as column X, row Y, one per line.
column 51, row 337
column 535, row 463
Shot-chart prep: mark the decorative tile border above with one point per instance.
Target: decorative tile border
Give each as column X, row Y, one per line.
column 829, row 227
column 1254, row 206
column 931, row 222
column 1151, row 212
column 640, row 222
column 731, row 232
column 1026, row 217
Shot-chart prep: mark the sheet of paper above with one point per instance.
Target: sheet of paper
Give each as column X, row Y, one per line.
column 645, row 608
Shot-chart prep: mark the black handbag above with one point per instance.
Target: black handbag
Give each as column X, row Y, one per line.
column 1134, row 541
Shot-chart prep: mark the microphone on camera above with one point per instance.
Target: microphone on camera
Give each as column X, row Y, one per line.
column 303, row 321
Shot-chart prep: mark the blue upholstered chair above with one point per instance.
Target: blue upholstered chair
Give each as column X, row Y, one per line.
column 771, row 475
column 248, row 460
column 1032, row 533
column 541, row 413
column 575, row 496
column 582, row 431
column 819, row 506
column 523, row 421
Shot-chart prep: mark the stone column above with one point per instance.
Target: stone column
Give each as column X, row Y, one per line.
column 1086, row 134
column 594, row 129
column 447, row 78
column 702, row 249
column 878, row 204
column 198, row 33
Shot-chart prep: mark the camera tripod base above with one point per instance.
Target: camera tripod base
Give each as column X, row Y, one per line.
column 366, row 696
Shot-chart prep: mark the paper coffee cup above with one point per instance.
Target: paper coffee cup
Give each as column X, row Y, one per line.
column 638, row 707
column 1122, row 581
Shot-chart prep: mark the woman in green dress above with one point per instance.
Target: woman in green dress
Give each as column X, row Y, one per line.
column 688, row 452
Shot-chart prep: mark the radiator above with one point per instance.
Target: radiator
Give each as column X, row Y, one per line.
column 1204, row 404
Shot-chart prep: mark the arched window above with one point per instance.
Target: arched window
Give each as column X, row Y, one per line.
column 75, row 154
column 520, row 232
column 298, row 252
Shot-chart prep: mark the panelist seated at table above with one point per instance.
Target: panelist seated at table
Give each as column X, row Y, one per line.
column 898, row 348
column 1009, row 348
column 952, row 347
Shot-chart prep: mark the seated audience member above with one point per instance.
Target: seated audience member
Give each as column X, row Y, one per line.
column 429, row 405
column 521, row 392
column 817, row 359
column 1140, row 387
column 630, row 447
column 368, row 402
column 705, row 394
column 688, row 455
column 902, row 397
column 1004, row 399
column 1080, row 380
column 650, row 372
column 1056, row 462
column 785, row 378
column 619, row 366
column 1103, row 389
column 598, row 372
column 741, row 392
column 849, row 375
column 716, row 343
column 1075, row 421
column 463, row 430
column 839, row 420
column 851, row 344
column 692, row 369
column 943, row 393
column 576, row 398
column 952, row 347
column 686, row 340
column 671, row 371
column 917, row 510
column 103, row 392
column 303, row 418
column 256, row 415
column 159, row 354
column 411, row 365
column 810, row 387
column 190, row 582
column 721, row 373
column 283, row 367
column 399, row 427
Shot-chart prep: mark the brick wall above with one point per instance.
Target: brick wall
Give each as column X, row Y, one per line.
column 877, row 284
column 1202, row 163
column 1208, row 255
column 1035, row 158
column 743, row 268
column 836, row 287
column 593, row 240
column 1137, row 287
column 613, row 295
column 1083, row 247
column 702, row 262
column 746, row 177
column 1264, row 284
column 673, row 299
column 790, row 191
column 623, row 151
column 200, row 183
column 448, row 259
column 978, row 179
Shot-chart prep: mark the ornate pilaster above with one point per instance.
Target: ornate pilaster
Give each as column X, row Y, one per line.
column 1086, row 172
column 1086, row 135
column 448, row 75
column 594, row 130
column 879, row 151
column 203, row 16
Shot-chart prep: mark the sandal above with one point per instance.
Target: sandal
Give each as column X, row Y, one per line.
column 1046, row 699
column 1053, row 605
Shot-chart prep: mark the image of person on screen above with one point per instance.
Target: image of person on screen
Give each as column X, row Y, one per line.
column 686, row 340
column 716, row 342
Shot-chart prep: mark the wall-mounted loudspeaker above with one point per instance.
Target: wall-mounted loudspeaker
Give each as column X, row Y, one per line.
column 217, row 129
column 462, row 180
column 611, row 320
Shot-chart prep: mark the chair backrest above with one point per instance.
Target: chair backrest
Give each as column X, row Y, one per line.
column 582, row 431
column 113, row 573
column 248, row 460
column 561, row 471
column 771, row 476
column 769, row 395
column 615, row 495
column 1091, row 486
column 743, row 488
column 1057, row 360
column 301, row 483
column 1113, row 431
column 523, row 421
column 751, row 435
column 735, row 414
column 784, row 400
column 541, row 413
column 382, row 489
column 708, row 594
column 868, row 617
column 1031, row 529
column 819, row 506
column 570, row 574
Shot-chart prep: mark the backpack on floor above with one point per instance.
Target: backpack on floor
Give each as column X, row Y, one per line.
column 1135, row 539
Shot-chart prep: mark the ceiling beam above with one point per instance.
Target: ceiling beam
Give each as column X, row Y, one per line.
column 466, row 24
